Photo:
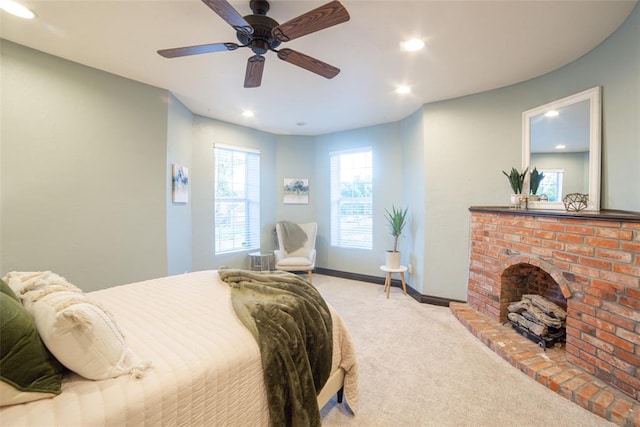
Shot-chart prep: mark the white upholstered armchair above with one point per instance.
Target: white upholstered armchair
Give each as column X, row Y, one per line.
column 296, row 247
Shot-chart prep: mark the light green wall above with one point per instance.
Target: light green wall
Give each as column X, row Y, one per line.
column 470, row 140
column 388, row 189
column 207, row 132
column 413, row 158
column 83, row 171
column 467, row 144
column 179, row 142
column 296, row 159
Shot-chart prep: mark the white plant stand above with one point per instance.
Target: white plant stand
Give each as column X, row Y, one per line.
column 387, row 281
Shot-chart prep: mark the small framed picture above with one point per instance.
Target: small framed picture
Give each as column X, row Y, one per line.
column 180, row 184
column 296, row 191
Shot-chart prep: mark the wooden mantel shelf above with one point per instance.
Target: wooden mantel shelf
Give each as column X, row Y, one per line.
column 602, row 215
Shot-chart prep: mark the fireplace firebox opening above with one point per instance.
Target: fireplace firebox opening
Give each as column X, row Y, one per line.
column 523, row 278
column 535, row 305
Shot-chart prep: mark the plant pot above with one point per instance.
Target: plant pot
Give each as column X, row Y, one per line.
column 534, row 198
column 392, row 259
column 514, row 200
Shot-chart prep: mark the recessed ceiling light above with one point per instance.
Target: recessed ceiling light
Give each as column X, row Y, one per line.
column 402, row 90
column 412, row 45
column 16, row 9
column 552, row 113
column 247, row 113
column 560, row 147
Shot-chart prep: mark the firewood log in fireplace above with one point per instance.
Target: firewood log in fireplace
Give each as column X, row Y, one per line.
column 547, row 306
column 537, row 316
column 529, row 325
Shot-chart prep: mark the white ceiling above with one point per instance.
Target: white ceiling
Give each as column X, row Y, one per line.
column 471, row 46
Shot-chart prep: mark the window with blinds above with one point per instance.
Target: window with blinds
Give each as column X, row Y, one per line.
column 237, row 198
column 551, row 184
column 352, row 199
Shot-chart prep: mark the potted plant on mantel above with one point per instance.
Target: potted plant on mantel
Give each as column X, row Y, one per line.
column 534, row 182
column 516, row 180
column 396, row 220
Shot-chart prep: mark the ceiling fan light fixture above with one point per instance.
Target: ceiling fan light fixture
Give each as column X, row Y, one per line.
column 412, row 45
column 16, row 9
column 247, row 113
column 403, row 90
column 560, row 147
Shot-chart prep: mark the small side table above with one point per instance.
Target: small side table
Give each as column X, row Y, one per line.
column 261, row 261
column 387, row 280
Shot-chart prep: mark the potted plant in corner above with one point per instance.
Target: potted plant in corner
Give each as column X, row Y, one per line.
column 534, row 182
column 396, row 219
column 516, row 180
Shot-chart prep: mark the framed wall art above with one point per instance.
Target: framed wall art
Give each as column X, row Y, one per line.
column 296, row 191
column 180, row 183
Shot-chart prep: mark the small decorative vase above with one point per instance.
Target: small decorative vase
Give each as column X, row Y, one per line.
column 392, row 259
column 514, row 200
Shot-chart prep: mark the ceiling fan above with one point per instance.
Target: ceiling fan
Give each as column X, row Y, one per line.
column 262, row 34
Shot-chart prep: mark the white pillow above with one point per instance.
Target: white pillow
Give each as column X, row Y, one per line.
column 83, row 337
column 31, row 285
column 79, row 333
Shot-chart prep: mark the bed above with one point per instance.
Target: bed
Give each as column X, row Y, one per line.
column 204, row 366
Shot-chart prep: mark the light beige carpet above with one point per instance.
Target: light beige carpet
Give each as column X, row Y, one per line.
column 419, row 366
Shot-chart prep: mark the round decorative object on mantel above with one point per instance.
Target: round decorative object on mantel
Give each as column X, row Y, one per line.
column 575, row 202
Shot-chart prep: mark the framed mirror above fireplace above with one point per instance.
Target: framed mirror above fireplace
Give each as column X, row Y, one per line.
column 562, row 139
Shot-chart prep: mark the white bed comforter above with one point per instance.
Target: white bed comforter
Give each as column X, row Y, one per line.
column 206, row 367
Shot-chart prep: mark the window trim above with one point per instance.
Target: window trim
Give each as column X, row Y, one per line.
column 253, row 204
column 335, row 239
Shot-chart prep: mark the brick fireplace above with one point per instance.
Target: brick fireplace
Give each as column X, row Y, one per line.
column 586, row 262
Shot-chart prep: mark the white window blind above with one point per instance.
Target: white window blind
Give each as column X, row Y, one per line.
column 352, row 199
column 237, row 198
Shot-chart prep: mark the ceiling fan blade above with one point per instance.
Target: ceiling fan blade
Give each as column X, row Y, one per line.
column 253, row 75
column 308, row 63
column 330, row 14
column 229, row 14
column 197, row 50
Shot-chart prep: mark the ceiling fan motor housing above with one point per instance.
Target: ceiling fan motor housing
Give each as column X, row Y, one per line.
column 261, row 40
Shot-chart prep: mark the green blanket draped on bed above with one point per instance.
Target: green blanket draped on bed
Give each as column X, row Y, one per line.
column 292, row 326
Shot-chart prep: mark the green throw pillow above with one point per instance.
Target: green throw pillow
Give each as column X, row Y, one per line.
column 25, row 362
column 5, row 289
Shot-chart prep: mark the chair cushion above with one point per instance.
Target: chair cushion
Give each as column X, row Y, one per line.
column 296, row 261
column 303, row 252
